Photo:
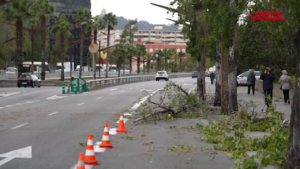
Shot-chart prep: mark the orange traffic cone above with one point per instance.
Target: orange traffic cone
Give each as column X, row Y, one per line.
column 105, row 138
column 80, row 164
column 121, row 127
column 90, row 158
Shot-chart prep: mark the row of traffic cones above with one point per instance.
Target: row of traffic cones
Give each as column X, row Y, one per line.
column 90, row 158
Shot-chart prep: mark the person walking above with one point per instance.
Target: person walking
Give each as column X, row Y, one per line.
column 251, row 81
column 212, row 77
column 268, row 78
column 285, row 86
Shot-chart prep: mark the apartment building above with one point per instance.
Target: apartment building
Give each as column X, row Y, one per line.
column 156, row 35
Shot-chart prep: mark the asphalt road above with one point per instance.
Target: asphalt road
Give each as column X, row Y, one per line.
column 53, row 124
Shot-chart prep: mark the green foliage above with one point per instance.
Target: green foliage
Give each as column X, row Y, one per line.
column 270, row 149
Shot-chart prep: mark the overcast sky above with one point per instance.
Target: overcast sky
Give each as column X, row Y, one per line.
column 135, row 9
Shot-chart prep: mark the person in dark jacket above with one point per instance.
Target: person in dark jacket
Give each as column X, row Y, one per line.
column 212, row 77
column 268, row 78
column 251, row 81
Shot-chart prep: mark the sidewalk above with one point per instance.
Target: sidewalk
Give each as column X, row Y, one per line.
column 258, row 99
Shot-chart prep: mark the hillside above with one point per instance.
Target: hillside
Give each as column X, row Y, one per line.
column 142, row 25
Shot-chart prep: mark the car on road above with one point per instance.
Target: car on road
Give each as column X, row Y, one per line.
column 162, row 75
column 27, row 79
column 242, row 78
column 195, row 74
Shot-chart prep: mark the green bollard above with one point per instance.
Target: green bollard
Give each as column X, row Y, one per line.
column 63, row 89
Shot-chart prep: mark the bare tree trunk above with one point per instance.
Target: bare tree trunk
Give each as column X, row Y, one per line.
column 32, row 38
column 138, row 59
column 19, row 44
column 148, row 66
column 107, row 52
column 293, row 152
column 130, row 64
column 81, row 49
column 43, row 41
column 217, row 101
column 201, row 75
column 62, row 53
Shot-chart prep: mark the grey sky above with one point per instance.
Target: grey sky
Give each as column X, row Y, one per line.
column 131, row 9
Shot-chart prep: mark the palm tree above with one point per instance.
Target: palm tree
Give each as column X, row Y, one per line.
column 97, row 24
column 18, row 11
column 158, row 55
column 180, row 55
column 111, row 21
column 82, row 20
column 140, row 50
column 42, row 8
column 120, row 51
column 62, row 28
column 167, row 53
column 148, row 57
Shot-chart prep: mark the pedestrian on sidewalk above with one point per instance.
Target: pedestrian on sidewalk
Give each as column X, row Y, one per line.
column 268, row 78
column 212, row 77
column 251, row 81
column 285, row 86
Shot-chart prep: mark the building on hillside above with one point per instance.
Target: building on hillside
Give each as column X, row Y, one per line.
column 69, row 9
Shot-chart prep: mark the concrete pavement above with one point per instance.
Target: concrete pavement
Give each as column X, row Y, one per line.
column 53, row 127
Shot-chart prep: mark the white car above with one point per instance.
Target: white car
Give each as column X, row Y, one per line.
column 162, row 75
column 242, row 78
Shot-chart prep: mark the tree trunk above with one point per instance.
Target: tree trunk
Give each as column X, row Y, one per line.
column 62, row 56
column 166, row 63
column 119, row 65
column 201, row 75
column 32, row 49
column 148, row 66
column 232, row 87
column 124, row 62
column 144, row 65
column 293, row 152
column 224, row 80
column 107, row 52
column 130, row 64
column 180, row 63
column 217, row 101
column 138, row 61
column 43, row 42
column 71, row 60
column 81, row 49
column 19, row 44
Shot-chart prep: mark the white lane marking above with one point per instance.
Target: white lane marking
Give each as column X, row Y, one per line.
column 9, row 106
column 148, row 90
column 19, row 126
column 113, row 131
column 98, row 98
column 25, row 152
column 80, row 104
column 1, row 107
column 18, row 104
column 10, row 94
column 112, row 89
column 54, row 97
column 51, row 114
column 138, row 104
column 98, row 149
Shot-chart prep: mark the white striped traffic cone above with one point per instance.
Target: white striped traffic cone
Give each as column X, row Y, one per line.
column 90, row 158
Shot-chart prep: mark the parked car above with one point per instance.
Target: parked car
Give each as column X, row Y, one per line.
column 162, row 75
column 242, row 78
column 27, row 79
column 195, row 74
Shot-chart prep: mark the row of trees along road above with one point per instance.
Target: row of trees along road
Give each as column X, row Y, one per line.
column 127, row 49
column 213, row 31
column 31, row 16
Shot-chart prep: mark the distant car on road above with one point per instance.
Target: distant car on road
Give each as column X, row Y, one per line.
column 195, row 74
column 27, row 79
column 162, row 75
column 242, row 78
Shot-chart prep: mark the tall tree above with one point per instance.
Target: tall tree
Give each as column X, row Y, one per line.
column 62, row 28
column 180, row 55
column 128, row 37
column 42, row 8
column 140, row 50
column 111, row 21
column 18, row 11
column 82, row 19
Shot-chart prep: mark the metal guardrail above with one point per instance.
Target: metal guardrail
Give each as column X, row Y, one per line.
column 96, row 84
